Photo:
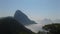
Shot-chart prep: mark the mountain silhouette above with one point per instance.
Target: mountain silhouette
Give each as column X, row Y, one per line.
column 46, row 21
column 21, row 17
column 56, row 21
column 8, row 25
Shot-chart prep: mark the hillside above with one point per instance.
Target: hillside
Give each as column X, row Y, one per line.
column 9, row 25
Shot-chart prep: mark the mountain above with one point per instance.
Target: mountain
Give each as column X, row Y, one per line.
column 21, row 17
column 46, row 21
column 56, row 21
column 8, row 25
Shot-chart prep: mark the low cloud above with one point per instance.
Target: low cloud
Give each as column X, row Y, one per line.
column 35, row 27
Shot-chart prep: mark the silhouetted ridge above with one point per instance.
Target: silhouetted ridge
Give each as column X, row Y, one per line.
column 9, row 25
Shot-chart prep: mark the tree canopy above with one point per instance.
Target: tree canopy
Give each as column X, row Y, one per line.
column 52, row 28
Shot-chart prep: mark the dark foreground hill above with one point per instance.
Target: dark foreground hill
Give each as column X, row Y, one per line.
column 9, row 25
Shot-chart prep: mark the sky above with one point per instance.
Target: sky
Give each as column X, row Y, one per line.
column 34, row 9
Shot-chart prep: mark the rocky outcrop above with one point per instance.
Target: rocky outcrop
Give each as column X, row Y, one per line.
column 21, row 17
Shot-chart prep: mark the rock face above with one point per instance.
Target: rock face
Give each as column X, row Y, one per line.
column 21, row 17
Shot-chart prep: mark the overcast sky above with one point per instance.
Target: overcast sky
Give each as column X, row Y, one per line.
column 34, row 9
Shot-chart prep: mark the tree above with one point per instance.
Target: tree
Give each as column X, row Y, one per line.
column 52, row 28
column 39, row 32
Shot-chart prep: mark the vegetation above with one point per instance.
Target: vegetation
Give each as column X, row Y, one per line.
column 8, row 25
column 52, row 28
column 38, row 32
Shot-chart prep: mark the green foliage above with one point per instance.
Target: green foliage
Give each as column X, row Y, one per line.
column 52, row 28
